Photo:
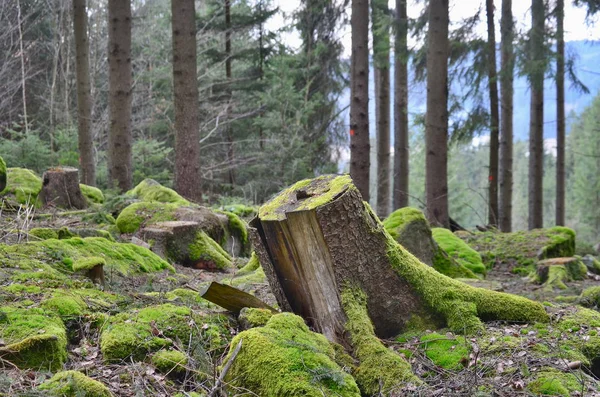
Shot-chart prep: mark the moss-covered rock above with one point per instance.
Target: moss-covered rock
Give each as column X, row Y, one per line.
column 152, row 191
column 551, row 382
column 34, row 338
column 458, row 250
column 235, row 239
column 43, row 233
column 171, row 362
column 141, row 213
column 3, row 178
column 208, row 254
column 590, row 297
column 92, row 194
column 523, row 248
column 74, row 384
column 241, row 210
column 284, row 358
column 251, row 317
column 23, row 187
column 251, row 266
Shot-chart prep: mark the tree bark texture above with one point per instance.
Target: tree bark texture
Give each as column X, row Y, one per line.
column 401, row 133
column 185, row 89
column 87, row 163
column 120, row 94
column 228, row 76
column 506, row 128
column 316, row 241
column 560, row 113
column 60, row 188
column 359, row 105
column 436, row 119
column 536, row 123
column 494, row 113
column 381, row 56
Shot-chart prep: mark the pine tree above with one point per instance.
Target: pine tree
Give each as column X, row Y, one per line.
column 560, row 113
column 494, row 121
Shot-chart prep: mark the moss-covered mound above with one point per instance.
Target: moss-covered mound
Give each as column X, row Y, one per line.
column 2, row 174
column 92, row 194
column 34, row 338
column 458, row 250
column 241, row 210
column 523, row 248
column 253, row 317
column 170, row 362
column 43, row 233
column 551, row 382
column 152, row 191
column 284, row 358
column 23, row 187
column 142, row 213
column 74, row 384
column 134, row 334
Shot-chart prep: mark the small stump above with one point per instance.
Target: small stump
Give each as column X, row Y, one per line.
column 556, row 271
column 60, row 188
column 92, row 267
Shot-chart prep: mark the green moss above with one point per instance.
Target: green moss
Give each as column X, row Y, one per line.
column 186, row 296
column 306, row 194
column 380, row 369
column 453, row 269
column 171, row 362
column 590, row 297
column 43, row 233
column 241, row 210
column 152, row 191
column 207, row 251
column 74, row 384
column 34, row 338
column 250, row 267
column 66, row 305
column 238, row 228
column 256, row 277
column 285, row 358
column 577, row 318
column 22, row 289
column 92, row 194
column 138, row 214
column 23, row 186
column 88, row 263
column 458, row 250
column 447, row 352
column 64, row 233
column 400, row 218
column 253, row 317
column 551, row 382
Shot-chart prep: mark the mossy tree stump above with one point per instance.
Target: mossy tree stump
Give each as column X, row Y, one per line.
column 321, row 245
column 60, row 188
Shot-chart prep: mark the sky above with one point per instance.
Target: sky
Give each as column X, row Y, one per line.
column 575, row 24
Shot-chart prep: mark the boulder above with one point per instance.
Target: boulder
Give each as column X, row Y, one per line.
column 22, row 188
column 74, row 384
column 458, row 250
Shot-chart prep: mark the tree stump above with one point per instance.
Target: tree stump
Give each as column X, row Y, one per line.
column 60, row 188
column 325, row 253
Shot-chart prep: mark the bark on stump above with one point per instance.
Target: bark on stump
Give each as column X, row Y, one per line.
column 325, row 253
column 60, row 188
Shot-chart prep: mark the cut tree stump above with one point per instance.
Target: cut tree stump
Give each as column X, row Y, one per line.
column 325, row 254
column 60, row 188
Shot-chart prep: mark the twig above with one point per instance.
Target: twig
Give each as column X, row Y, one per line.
column 225, row 369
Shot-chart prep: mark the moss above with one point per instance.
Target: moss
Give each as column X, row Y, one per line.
column 23, row 186
column 152, row 191
column 551, row 382
column 241, row 210
column 64, row 233
column 74, row 384
column 66, row 305
column 250, row 267
column 400, row 218
column 186, row 296
column 43, row 233
column 138, row 214
column 590, row 297
column 577, row 318
column 380, row 369
column 238, row 228
column 253, row 317
column 256, row 277
column 34, row 338
column 171, row 362
column 207, row 251
column 22, row 289
column 92, row 194
column 447, row 352
column 88, row 263
column 285, row 358
column 306, row 194
column 458, row 250
column 445, row 265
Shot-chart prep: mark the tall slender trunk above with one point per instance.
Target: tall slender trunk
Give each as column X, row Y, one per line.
column 494, row 112
column 84, row 100
column 120, row 90
column 401, row 134
column 560, row 113
column 229, row 132
column 536, row 124
column 23, row 76
column 436, row 119
column 506, row 129
column 359, row 105
column 381, row 55
column 185, row 90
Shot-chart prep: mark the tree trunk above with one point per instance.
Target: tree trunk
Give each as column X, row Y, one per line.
column 120, row 90
column 493, row 89
column 401, row 134
column 23, row 76
column 185, row 89
column 84, row 99
column 436, row 119
column 560, row 113
column 506, row 138
column 319, row 244
column 60, row 188
column 536, row 124
column 228, row 75
column 381, row 56
column 359, row 105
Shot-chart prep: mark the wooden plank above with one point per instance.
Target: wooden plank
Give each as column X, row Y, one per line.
column 231, row 298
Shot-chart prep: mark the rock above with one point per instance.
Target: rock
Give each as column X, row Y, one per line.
column 458, row 250
column 254, row 317
column 60, row 188
column 592, row 264
column 92, row 194
column 590, row 297
column 74, row 384
column 151, row 191
column 22, row 188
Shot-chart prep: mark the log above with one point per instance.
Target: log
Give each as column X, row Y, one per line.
column 60, row 188
column 231, row 298
column 324, row 251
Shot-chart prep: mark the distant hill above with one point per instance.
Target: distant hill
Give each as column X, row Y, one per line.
column 587, row 68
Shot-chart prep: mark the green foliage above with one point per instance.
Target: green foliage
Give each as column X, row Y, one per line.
column 74, row 384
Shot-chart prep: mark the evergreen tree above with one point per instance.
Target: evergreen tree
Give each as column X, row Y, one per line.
column 494, row 112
